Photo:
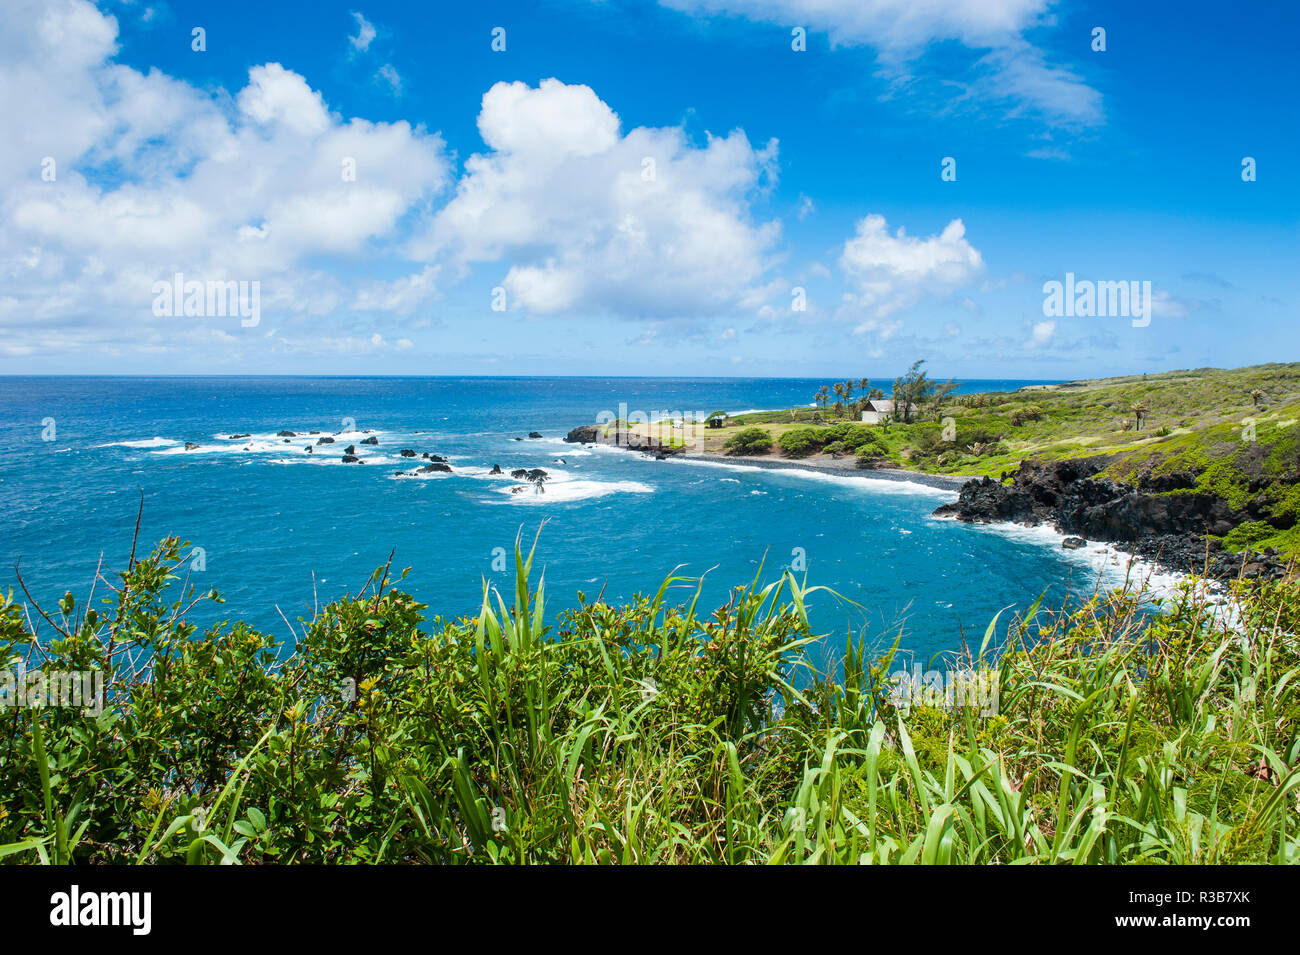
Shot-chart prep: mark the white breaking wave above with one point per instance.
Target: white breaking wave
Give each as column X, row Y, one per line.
column 564, row 491
column 319, row 459
column 292, row 450
column 561, row 487
column 1107, row 563
column 417, row 475
column 142, row 443
column 875, row 485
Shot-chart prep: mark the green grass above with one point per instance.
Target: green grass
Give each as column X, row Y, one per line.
column 648, row 733
column 1233, row 433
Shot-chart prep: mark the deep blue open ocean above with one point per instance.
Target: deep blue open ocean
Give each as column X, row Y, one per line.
column 273, row 521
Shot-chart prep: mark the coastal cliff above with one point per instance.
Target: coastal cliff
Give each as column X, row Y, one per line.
column 1162, row 517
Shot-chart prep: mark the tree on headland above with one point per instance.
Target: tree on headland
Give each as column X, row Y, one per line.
column 915, row 390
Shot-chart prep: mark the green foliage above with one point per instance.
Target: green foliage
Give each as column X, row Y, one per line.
column 914, row 390
column 868, row 454
column 749, row 441
column 649, row 733
column 801, row 442
column 855, row 436
column 1024, row 414
column 1247, row 535
column 845, row 437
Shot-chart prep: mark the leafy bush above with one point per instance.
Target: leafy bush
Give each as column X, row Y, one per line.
column 854, row 436
column 1248, row 534
column 1025, row 413
column 801, row 442
column 749, row 441
column 869, row 454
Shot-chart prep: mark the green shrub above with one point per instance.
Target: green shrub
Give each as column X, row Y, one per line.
column 1247, row 534
column 749, row 441
column 854, row 436
column 1025, row 413
column 801, row 442
column 869, row 453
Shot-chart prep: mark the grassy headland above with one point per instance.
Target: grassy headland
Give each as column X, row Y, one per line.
column 1232, row 433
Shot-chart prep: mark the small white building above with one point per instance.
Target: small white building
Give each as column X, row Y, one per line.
column 878, row 408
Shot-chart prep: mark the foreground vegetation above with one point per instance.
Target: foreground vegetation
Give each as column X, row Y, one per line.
column 648, row 733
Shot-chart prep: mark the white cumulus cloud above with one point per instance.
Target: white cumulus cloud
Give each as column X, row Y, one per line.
column 894, row 271
column 642, row 223
column 151, row 176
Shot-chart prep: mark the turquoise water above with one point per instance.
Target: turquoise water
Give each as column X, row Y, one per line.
column 276, row 524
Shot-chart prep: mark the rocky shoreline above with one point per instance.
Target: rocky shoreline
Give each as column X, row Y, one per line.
column 1176, row 532
column 947, row 482
column 820, row 464
column 1172, row 530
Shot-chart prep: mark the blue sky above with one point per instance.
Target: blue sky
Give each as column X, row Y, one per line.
column 525, row 171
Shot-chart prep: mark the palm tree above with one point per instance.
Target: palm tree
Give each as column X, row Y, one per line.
column 1139, row 410
column 1255, row 395
column 821, row 397
column 838, row 388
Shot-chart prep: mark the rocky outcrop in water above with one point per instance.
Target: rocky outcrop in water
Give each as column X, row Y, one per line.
column 620, row 438
column 426, row 469
column 1176, row 529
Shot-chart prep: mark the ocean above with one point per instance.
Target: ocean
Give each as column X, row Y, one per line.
column 279, row 528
